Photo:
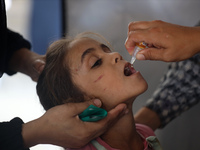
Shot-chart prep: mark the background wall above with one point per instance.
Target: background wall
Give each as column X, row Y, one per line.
column 110, row 18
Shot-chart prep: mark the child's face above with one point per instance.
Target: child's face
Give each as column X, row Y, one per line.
column 100, row 73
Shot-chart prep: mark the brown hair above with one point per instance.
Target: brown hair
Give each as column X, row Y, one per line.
column 55, row 85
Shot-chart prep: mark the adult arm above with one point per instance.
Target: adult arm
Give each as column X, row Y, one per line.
column 166, row 41
column 178, row 91
column 27, row 62
column 148, row 117
column 58, row 126
column 19, row 58
column 14, row 51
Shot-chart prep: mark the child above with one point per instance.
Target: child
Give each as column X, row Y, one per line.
column 83, row 68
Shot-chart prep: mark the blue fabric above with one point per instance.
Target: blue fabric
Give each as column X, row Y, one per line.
column 46, row 24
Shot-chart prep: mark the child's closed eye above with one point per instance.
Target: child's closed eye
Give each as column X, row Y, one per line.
column 97, row 63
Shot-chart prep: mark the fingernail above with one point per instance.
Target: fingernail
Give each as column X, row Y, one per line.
column 125, row 110
column 140, row 57
column 97, row 102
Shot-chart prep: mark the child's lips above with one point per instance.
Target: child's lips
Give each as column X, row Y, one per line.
column 129, row 70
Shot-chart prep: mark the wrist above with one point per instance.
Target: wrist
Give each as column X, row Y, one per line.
column 32, row 133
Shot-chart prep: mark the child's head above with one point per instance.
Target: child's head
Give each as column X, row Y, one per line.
column 82, row 68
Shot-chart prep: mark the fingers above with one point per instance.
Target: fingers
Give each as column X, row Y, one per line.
column 98, row 128
column 134, row 31
column 96, row 102
column 91, row 130
column 112, row 117
column 138, row 25
column 144, row 32
column 38, row 65
column 136, row 37
column 150, row 54
column 77, row 108
column 142, row 25
column 116, row 113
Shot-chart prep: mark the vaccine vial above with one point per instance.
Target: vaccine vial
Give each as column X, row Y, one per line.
column 138, row 47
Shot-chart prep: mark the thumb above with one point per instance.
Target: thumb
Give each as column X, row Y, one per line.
column 119, row 110
column 114, row 115
column 150, row 54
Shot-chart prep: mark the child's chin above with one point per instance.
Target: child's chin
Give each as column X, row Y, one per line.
column 143, row 88
column 129, row 100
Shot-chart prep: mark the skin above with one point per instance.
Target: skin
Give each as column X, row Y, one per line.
column 148, row 117
column 102, row 72
column 98, row 72
column 60, row 125
column 167, row 42
column 27, row 62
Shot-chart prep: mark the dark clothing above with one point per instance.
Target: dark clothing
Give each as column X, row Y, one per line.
column 10, row 135
column 3, row 37
column 10, row 132
column 9, row 42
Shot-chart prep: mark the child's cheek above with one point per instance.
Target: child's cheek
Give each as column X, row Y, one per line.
column 98, row 78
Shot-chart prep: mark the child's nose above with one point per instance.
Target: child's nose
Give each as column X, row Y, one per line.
column 116, row 57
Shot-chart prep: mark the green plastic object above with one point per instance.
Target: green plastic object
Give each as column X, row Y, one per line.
column 93, row 114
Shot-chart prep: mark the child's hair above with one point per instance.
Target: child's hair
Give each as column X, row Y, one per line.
column 55, row 85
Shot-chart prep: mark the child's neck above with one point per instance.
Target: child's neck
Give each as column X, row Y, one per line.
column 123, row 135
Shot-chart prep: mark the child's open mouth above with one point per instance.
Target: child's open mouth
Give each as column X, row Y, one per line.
column 128, row 69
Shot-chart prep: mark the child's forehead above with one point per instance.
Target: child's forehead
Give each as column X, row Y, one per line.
column 79, row 45
column 83, row 41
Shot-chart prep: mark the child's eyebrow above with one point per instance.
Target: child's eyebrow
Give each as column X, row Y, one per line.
column 105, row 48
column 89, row 50
column 86, row 52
